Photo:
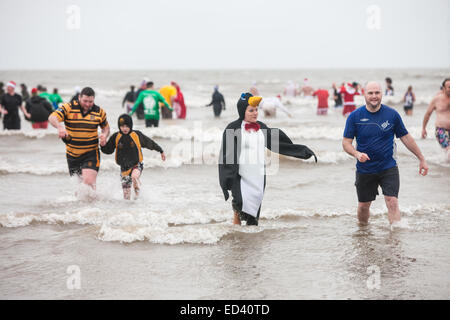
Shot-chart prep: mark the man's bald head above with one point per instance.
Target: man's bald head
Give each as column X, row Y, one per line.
column 372, row 85
column 372, row 94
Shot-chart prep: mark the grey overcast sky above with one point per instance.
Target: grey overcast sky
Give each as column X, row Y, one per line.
column 229, row 34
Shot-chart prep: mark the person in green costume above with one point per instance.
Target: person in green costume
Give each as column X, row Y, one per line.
column 150, row 99
column 42, row 92
column 55, row 98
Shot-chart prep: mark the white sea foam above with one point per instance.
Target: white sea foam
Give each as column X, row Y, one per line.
column 124, row 224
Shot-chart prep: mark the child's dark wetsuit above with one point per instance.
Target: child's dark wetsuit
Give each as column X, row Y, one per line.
column 129, row 152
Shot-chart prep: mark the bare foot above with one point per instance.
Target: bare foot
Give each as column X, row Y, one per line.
column 136, row 193
column 236, row 219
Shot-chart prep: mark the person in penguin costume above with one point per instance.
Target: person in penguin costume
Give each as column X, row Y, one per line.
column 128, row 144
column 242, row 158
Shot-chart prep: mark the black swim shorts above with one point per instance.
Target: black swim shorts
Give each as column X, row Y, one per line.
column 88, row 160
column 367, row 184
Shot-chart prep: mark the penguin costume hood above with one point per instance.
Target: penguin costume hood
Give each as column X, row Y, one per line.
column 229, row 168
column 125, row 119
column 246, row 99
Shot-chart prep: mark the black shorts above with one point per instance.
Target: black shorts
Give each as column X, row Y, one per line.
column 88, row 160
column 11, row 123
column 367, row 184
column 151, row 122
column 406, row 108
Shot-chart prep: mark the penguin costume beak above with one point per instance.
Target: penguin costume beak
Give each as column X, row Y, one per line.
column 254, row 101
column 247, row 99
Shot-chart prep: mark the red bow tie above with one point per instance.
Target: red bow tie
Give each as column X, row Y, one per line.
column 252, row 126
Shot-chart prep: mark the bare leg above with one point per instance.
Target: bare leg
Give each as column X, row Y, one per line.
column 136, row 182
column 236, row 219
column 89, row 177
column 393, row 210
column 364, row 212
column 126, row 193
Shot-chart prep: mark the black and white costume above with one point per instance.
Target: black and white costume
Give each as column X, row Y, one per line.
column 242, row 161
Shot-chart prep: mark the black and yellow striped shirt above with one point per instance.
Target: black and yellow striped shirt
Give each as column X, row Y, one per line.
column 82, row 128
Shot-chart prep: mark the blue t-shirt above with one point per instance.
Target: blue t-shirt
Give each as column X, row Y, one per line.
column 374, row 134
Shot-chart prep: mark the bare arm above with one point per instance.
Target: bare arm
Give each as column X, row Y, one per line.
column 350, row 149
column 426, row 117
column 412, row 146
column 104, row 135
column 24, row 110
column 54, row 121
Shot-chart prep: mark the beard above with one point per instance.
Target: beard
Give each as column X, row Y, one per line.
column 372, row 105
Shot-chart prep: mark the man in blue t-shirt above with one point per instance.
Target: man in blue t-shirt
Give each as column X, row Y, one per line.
column 374, row 126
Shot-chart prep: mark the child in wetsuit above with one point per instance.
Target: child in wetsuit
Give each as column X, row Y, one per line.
column 128, row 143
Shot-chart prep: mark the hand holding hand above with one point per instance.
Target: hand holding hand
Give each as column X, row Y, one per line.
column 102, row 140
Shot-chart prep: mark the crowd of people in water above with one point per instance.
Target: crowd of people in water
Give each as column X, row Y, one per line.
column 167, row 102
column 373, row 125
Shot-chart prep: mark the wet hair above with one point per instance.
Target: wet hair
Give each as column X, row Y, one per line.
column 443, row 83
column 149, row 84
column 87, row 91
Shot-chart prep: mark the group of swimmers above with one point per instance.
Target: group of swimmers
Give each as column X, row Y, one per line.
column 243, row 139
column 241, row 159
column 343, row 96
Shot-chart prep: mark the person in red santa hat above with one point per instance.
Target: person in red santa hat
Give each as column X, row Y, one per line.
column 9, row 107
column 349, row 92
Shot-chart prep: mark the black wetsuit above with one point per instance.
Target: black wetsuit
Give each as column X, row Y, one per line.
column 130, row 97
column 39, row 108
column 337, row 99
column 25, row 95
column 218, row 102
column 11, row 103
column 140, row 110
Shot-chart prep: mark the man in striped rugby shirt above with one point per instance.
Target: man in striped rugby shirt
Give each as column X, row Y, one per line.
column 80, row 133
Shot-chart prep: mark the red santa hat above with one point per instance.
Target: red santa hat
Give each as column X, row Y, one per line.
column 11, row 84
column 34, row 90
